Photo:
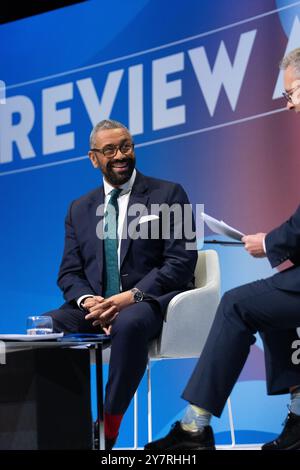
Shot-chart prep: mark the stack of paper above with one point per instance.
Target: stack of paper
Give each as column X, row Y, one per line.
column 218, row 226
column 17, row 337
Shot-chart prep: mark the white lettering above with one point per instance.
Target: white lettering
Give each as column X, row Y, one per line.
column 231, row 76
column 293, row 43
column 96, row 109
column 296, row 354
column 164, row 90
column 135, row 98
column 2, row 92
column 54, row 118
column 17, row 133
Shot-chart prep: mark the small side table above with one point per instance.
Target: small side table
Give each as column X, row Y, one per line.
column 45, row 395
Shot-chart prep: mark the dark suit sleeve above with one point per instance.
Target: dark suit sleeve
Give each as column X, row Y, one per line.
column 179, row 254
column 71, row 278
column 283, row 243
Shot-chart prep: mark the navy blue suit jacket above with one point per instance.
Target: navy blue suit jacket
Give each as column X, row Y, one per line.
column 283, row 243
column 160, row 268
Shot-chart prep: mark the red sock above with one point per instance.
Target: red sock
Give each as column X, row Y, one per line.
column 112, row 425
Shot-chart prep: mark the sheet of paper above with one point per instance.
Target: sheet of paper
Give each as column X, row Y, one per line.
column 218, row 226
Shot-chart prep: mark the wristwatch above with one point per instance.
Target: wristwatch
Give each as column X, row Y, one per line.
column 138, row 295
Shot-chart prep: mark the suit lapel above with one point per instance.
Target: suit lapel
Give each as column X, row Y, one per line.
column 139, row 195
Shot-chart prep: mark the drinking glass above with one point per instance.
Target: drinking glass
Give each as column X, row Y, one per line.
column 39, row 325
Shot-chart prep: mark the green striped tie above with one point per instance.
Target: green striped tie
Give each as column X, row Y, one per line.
column 111, row 269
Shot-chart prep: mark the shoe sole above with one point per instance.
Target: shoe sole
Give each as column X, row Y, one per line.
column 292, row 447
column 204, row 448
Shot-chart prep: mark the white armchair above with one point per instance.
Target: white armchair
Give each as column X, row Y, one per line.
column 190, row 314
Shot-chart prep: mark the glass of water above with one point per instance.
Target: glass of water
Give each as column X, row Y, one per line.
column 39, row 325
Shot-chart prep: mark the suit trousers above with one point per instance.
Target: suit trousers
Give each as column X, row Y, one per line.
column 255, row 307
column 132, row 330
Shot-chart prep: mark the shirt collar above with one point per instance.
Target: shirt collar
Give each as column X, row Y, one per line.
column 126, row 187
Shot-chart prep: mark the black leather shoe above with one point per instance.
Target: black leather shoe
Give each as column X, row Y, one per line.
column 109, row 443
column 178, row 439
column 289, row 439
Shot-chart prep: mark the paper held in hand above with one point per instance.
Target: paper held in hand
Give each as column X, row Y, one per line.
column 218, row 226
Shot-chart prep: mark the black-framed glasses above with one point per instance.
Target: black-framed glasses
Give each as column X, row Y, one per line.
column 110, row 151
column 289, row 96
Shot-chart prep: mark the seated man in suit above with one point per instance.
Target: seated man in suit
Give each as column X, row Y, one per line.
column 115, row 277
column 269, row 306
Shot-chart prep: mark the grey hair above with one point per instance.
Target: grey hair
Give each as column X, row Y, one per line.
column 291, row 59
column 105, row 124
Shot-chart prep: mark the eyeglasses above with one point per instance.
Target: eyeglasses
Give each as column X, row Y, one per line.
column 111, row 151
column 289, row 96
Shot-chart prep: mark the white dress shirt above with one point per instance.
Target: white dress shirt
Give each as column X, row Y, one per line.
column 123, row 200
column 264, row 244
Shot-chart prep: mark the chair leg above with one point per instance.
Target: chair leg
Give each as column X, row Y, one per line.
column 231, row 425
column 135, row 421
column 149, row 396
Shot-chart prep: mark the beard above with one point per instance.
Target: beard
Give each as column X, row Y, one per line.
column 116, row 178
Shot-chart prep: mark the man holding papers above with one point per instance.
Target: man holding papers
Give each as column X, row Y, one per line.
column 270, row 307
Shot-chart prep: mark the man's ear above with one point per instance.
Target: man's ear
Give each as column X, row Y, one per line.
column 93, row 158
